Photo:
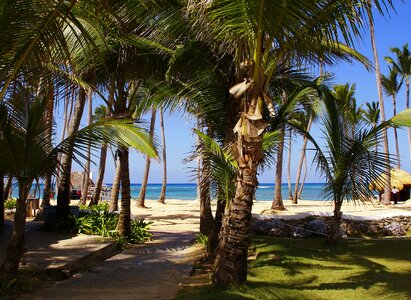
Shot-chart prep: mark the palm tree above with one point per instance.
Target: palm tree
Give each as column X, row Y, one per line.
column 142, row 197
column 387, row 185
column 162, row 197
column 26, row 154
column 403, row 66
column 100, row 113
column 392, row 87
column 349, row 161
column 2, row 200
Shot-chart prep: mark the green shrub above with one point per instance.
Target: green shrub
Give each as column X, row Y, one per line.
column 10, row 203
column 202, row 240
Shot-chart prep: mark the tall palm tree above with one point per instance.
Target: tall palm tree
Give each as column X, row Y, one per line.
column 368, row 7
column 162, row 197
column 100, row 113
column 402, row 64
column 142, row 197
column 392, row 87
column 87, row 169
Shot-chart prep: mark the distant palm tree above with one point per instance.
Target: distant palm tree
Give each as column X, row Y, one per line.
column 391, row 87
column 402, row 64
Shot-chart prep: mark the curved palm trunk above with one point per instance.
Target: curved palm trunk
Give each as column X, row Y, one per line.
column 278, row 199
column 206, row 215
column 115, row 188
column 15, row 249
column 164, row 157
column 387, row 186
column 63, row 197
column 86, row 174
column 142, row 197
column 304, row 178
column 231, row 260
column 297, row 192
column 124, row 221
column 100, row 175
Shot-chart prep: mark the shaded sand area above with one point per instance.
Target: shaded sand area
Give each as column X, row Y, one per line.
column 158, row 269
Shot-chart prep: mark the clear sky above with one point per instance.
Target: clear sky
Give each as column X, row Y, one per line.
column 391, row 31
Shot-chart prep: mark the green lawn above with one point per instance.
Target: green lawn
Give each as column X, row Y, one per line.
column 311, row 269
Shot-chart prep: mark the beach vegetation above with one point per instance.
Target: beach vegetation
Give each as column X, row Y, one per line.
column 10, row 203
column 311, row 269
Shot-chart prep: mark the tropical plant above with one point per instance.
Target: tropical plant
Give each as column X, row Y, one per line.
column 391, row 87
column 349, row 160
column 26, row 154
column 162, row 197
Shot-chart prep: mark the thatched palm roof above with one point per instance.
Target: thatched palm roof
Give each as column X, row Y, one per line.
column 399, row 179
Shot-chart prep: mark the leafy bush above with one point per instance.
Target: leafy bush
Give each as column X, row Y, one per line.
column 202, row 239
column 10, row 203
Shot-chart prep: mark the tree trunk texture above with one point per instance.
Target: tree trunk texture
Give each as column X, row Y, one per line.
column 124, row 221
column 300, row 164
column 100, row 175
column 142, row 197
column 86, row 174
column 335, row 227
column 115, row 187
column 278, row 199
column 2, row 200
column 63, row 197
column 218, row 221
column 290, row 193
column 8, row 189
column 162, row 198
column 15, row 249
column 206, row 215
column 231, row 261
column 387, row 186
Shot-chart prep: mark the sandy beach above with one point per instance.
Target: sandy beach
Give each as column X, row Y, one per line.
column 183, row 214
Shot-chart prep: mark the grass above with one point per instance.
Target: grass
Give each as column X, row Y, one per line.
column 311, row 269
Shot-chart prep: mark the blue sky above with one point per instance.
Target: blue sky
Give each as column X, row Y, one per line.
column 391, row 31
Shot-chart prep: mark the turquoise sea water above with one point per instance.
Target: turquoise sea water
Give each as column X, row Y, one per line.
column 187, row 191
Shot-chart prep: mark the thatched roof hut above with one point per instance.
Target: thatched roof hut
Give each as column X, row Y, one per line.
column 399, row 178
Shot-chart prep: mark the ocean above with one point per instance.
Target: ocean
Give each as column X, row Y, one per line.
column 188, row 191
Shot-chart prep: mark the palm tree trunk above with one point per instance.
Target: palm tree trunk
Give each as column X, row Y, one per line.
column 115, row 187
column 304, row 178
column 407, row 105
column 231, row 260
column 124, row 221
column 9, row 185
column 397, row 149
column 86, row 174
column 387, row 186
column 164, row 157
column 335, row 227
column 15, row 249
column 300, row 164
column 49, row 119
column 278, row 199
column 199, row 158
column 218, row 221
column 290, row 194
column 63, row 197
column 100, row 175
column 2, row 200
column 143, row 189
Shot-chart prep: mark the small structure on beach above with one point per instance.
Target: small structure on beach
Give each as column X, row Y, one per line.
column 399, row 178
